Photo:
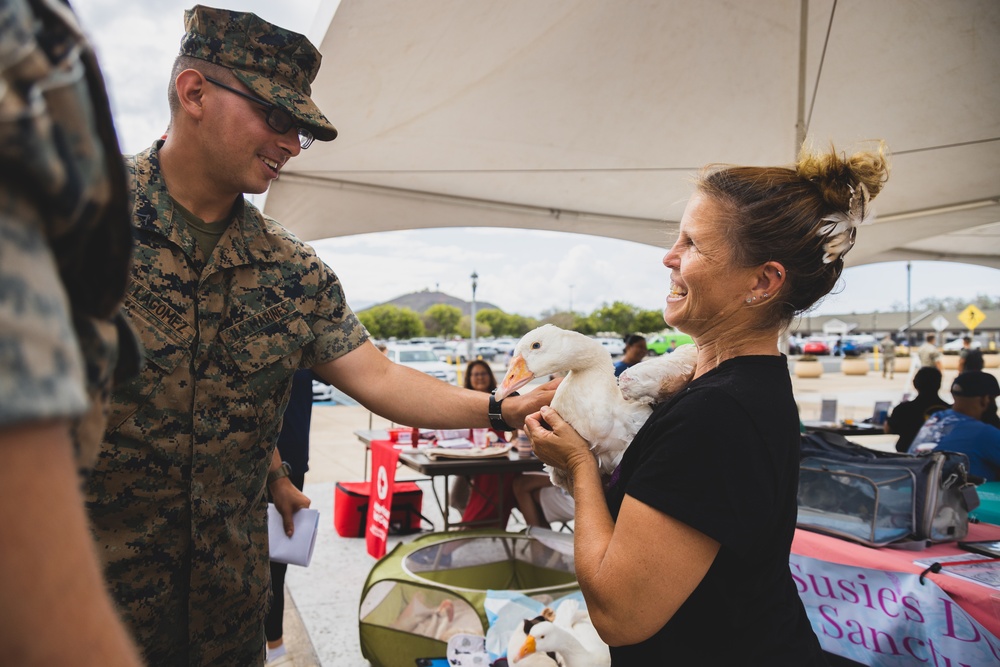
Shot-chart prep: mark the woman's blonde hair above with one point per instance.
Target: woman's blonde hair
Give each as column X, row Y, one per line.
column 802, row 218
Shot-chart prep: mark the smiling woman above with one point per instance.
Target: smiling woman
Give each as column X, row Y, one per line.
column 756, row 246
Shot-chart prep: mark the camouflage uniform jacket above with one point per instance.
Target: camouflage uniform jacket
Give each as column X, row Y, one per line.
column 65, row 238
column 177, row 496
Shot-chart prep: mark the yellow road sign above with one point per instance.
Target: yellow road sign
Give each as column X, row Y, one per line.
column 971, row 317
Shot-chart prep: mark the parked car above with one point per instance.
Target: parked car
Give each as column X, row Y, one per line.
column 443, row 351
column 615, row 346
column 422, row 358
column 959, row 344
column 504, row 346
column 859, row 344
column 448, row 352
column 658, row 345
column 486, row 352
column 322, row 391
column 815, row 346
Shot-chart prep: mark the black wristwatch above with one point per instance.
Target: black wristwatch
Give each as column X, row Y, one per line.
column 274, row 475
column 496, row 416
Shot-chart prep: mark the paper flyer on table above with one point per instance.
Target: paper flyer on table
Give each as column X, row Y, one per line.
column 454, row 443
column 474, row 453
column 297, row 549
column 981, row 569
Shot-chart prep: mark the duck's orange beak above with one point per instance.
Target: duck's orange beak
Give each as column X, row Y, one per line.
column 526, row 649
column 517, row 376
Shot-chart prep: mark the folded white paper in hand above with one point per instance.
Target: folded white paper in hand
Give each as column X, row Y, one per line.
column 297, row 549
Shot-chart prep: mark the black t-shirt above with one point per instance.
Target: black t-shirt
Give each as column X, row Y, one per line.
column 723, row 457
column 907, row 418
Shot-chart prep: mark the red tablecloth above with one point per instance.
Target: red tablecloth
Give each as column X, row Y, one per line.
column 980, row 602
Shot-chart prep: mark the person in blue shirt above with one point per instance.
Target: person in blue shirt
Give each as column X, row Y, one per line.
column 961, row 429
column 635, row 351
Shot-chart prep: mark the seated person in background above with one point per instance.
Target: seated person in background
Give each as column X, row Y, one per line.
column 635, row 351
column 540, row 501
column 973, row 361
column 907, row 417
column 960, row 429
column 991, row 417
column 485, row 488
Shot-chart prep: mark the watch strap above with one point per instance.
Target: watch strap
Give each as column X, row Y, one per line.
column 274, row 475
column 496, row 415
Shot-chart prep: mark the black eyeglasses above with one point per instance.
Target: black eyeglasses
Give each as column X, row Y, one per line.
column 278, row 119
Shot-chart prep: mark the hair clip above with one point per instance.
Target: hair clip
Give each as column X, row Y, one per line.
column 842, row 230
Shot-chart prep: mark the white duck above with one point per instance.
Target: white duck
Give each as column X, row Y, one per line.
column 571, row 636
column 588, row 398
column 520, row 634
column 658, row 378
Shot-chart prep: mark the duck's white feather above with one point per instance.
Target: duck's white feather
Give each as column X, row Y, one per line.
column 574, row 645
column 659, row 378
column 589, row 397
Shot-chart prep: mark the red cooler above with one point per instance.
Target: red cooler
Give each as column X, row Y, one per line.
column 350, row 508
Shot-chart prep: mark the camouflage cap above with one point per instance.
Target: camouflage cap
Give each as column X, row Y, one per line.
column 276, row 64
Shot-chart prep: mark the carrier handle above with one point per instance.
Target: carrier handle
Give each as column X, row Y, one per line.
column 934, row 568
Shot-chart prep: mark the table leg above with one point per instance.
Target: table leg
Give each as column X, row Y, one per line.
column 437, row 499
column 447, row 508
column 499, row 500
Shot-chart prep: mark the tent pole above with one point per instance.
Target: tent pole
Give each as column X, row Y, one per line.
column 800, row 118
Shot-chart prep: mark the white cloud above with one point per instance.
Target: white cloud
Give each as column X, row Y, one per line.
column 521, row 271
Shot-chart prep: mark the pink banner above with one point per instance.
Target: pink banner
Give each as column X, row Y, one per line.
column 384, row 458
column 889, row 619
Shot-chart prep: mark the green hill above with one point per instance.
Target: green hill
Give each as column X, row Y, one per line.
column 421, row 301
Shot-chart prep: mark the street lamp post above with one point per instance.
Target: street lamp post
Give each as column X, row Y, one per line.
column 472, row 336
column 909, row 339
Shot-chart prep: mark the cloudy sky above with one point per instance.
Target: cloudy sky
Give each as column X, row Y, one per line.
column 521, row 271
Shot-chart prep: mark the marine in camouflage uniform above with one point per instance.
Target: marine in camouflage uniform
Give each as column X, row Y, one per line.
column 65, row 240
column 178, row 494
column 65, row 246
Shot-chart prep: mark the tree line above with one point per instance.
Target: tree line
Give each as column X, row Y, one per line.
column 388, row 321
column 951, row 303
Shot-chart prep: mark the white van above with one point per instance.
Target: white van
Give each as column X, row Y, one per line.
column 422, row 358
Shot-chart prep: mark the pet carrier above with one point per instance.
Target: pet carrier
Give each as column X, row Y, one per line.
column 428, row 590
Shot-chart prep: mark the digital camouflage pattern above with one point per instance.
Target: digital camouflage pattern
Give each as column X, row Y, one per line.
column 65, row 237
column 277, row 64
column 177, row 496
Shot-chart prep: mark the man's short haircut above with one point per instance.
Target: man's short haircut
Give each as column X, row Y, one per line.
column 927, row 380
column 182, row 63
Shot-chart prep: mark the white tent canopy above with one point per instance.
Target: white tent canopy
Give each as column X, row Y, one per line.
column 592, row 116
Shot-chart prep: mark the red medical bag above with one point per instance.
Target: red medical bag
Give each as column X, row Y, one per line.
column 350, row 508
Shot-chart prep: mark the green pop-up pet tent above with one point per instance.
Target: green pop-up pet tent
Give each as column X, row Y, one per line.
column 427, row 590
